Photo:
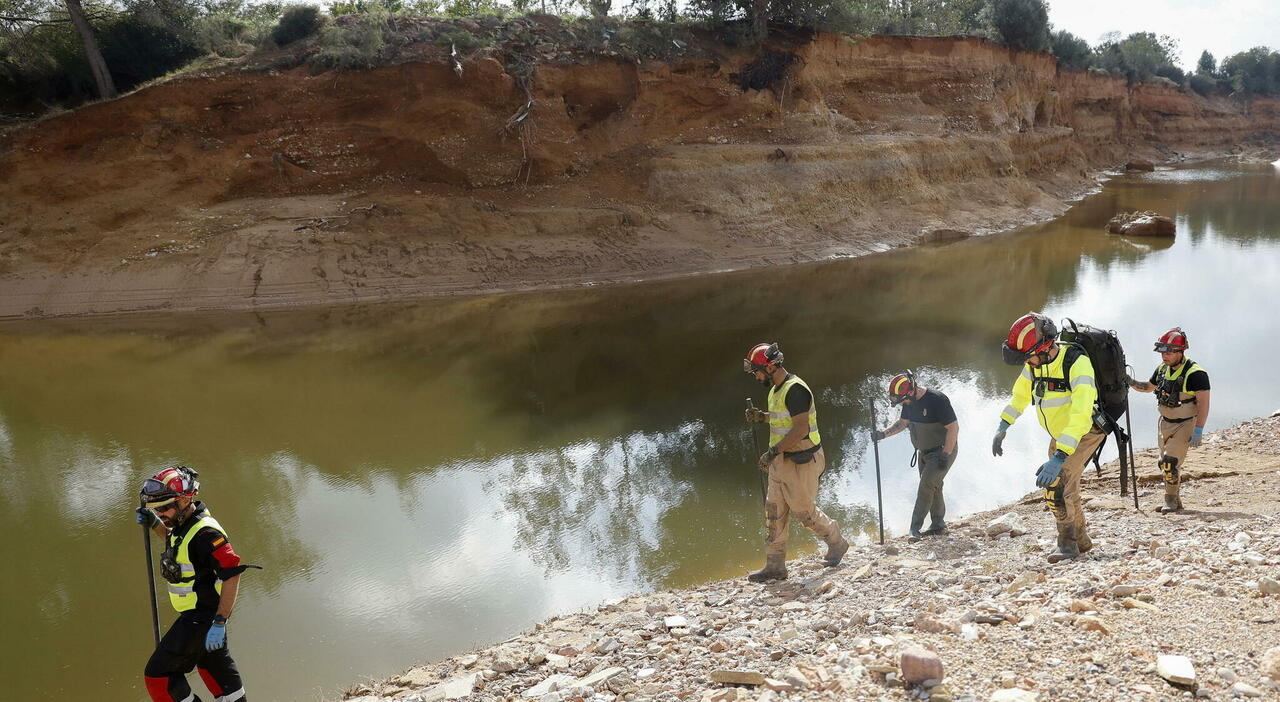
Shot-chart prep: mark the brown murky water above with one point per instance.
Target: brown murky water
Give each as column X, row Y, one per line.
column 422, row 479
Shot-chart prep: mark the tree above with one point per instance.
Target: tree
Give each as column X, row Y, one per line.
column 1021, row 24
column 1141, row 56
column 23, row 17
column 1070, row 50
column 1206, row 66
column 1256, row 71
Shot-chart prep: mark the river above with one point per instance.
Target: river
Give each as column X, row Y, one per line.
column 420, row 479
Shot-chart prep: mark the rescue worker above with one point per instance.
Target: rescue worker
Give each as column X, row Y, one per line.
column 794, row 462
column 1058, row 379
column 1182, row 395
column 203, row 572
column 933, row 427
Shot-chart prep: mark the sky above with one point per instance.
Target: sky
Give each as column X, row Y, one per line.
column 1223, row 27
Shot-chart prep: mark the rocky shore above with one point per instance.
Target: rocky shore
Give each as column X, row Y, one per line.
column 1185, row 605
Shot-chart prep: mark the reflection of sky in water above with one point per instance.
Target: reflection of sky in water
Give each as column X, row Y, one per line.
column 598, row 450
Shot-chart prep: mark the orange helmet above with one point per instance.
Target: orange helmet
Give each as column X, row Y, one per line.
column 168, row 485
column 1173, row 340
column 760, row 356
column 1031, row 334
column 901, row 387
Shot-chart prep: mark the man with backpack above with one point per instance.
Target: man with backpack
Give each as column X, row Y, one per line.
column 1058, row 380
column 1182, row 393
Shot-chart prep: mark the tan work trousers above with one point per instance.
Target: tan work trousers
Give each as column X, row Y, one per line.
column 1175, row 440
column 1064, row 500
column 793, row 489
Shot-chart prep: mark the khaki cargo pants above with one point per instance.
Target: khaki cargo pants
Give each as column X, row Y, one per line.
column 793, row 489
column 1064, row 500
column 1175, row 440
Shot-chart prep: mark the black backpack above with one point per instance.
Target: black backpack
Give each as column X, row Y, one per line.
column 1104, row 350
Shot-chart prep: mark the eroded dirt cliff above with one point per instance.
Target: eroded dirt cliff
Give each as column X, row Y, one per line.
column 279, row 188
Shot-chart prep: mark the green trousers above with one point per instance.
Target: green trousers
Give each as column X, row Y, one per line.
column 929, row 499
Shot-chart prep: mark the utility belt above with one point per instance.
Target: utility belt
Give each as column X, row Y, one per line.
column 802, row 456
column 1171, row 400
column 1175, row 421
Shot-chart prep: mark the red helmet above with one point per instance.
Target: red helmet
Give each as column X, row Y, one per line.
column 901, row 387
column 168, row 485
column 760, row 356
column 1031, row 334
column 1173, row 340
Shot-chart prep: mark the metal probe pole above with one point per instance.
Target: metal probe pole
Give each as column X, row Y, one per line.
column 875, row 446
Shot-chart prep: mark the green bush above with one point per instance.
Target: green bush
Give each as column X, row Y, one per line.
column 355, row 42
column 1140, row 57
column 223, row 35
column 1070, row 50
column 297, row 22
column 465, row 41
column 1021, row 24
column 1205, row 85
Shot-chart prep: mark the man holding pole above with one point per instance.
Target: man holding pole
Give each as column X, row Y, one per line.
column 933, row 426
column 795, row 462
column 203, row 573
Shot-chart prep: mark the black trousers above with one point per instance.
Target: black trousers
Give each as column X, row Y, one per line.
column 180, row 650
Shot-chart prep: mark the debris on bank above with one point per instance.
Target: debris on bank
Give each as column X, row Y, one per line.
column 1165, row 606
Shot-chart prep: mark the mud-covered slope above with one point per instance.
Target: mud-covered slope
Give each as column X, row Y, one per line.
column 263, row 189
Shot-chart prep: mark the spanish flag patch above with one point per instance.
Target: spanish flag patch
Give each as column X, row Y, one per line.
column 219, row 541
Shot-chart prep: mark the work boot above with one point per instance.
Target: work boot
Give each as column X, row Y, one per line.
column 775, row 568
column 835, row 552
column 935, row 530
column 1083, row 542
column 1172, row 500
column 914, row 536
column 1068, row 548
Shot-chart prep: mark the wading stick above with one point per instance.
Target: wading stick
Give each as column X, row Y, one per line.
column 875, row 446
column 151, row 583
column 755, row 437
column 1133, row 464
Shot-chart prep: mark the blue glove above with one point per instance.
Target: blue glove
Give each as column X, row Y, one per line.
column 1196, row 435
column 997, row 444
column 1052, row 468
column 217, row 636
column 145, row 517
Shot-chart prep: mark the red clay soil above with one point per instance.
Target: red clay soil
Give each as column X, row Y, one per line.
column 254, row 190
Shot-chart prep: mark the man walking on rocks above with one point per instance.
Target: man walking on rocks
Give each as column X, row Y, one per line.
column 933, row 427
column 794, row 461
column 1058, row 379
column 1182, row 395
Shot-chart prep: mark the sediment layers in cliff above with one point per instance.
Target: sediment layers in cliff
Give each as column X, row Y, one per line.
column 255, row 190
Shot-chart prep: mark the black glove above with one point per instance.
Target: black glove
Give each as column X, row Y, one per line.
column 145, row 517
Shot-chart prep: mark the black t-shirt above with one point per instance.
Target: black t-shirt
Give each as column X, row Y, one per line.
column 1196, row 382
column 798, row 399
column 933, row 408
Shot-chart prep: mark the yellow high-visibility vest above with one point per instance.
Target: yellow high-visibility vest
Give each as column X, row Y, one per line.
column 780, row 419
column 182, row 595
column 1064, row 401
column 1185, row 399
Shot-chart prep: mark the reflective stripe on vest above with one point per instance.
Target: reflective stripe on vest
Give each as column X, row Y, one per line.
column 1186, row 408
column 780, row 419
column 182, row 595
column 1054, row 407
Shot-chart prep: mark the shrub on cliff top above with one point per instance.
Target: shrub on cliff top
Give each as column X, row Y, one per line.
column 297, row 22
column 355, row 42
column 1070, row 50
column 1021, row 24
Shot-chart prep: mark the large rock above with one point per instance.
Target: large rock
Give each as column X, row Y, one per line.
column 1014, row 695
column 1139, row 164
column 1009, row 522
column 920, row 664
column 1176, row 669
column 737, row 677
column 1270, row 665
column 1140, row 224
column 451, row 689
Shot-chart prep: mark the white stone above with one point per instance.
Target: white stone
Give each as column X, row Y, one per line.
column 451, row 689
column 1014, row 695
column 675, row 621
column 1007, row 522
column 550, row 684
column 1176, row 669
column 1245, row 690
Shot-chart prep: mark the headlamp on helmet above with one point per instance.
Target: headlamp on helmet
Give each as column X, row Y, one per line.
column 761, row 356
column 902, row 387
column 1172, row 341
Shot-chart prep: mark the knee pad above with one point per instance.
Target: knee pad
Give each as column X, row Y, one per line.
column 1169, row 468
